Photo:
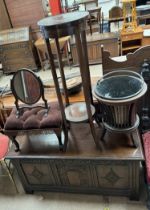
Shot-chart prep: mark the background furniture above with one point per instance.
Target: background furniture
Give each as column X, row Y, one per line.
column 132, row 40
column 108, row 40
column 146, row 39
column 143, row 19
column 64, row 42
column 17, row 50
column 83, row 168
column 88, row 3
column 143, row 10
column 72, row 8
column 26, row 14
column 133, row 60
column 115, row 16
column 5, row 22
column 95, row 16
column 129, row 16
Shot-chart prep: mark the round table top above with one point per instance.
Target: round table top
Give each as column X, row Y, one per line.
column 64, row 18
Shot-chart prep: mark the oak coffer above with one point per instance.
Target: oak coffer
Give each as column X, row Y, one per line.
column 16, row 50
column 114, row 170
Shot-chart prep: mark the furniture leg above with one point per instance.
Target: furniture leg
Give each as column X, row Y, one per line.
column 14, row 141
column 41, row 62
column 10, row 174
column 65, row 129
column 133, row 139
column 90, row 24
column 85, row 74
column 58, row 134
column 109, row 25
column 103, row 134
column 148, row 197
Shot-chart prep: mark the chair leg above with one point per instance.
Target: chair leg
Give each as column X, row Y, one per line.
column 58, row 134
column 93, row 131
column 65, row 130
column 103, row 134
column 133, row 140
column 14, row 141
column 3, row 162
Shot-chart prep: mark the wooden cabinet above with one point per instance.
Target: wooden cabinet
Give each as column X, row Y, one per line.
column 83, row 168
column 26, row 13
column 81, row 176
column 131, row 41
column 5, row 22
column 16, row 50
column 94, row 42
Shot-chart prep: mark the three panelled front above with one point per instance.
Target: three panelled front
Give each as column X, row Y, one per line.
column 83, row 176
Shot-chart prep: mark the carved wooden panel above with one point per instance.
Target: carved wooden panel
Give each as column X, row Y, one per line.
column 112, row 174
column 74, row 173
column 112, row 177
column 38, row 173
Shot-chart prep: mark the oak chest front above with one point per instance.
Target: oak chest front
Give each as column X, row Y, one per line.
column 115, row 170
column 16, row 50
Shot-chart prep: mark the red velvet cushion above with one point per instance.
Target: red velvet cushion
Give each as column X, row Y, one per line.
column 4, row 143
column 146, row 143
column 35, row 118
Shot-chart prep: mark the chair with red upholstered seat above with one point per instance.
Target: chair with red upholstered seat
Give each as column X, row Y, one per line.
column 4, row 146
column 30, row 117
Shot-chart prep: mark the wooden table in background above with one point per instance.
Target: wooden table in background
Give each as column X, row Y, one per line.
column 94, row 42
column 50, row 95
column 146, row 39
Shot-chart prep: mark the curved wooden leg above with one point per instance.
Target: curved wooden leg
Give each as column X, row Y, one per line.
column 133, row 139
column 93, row 131
column 14, row 141
column 103, row 134
column 65, row 129
column 58, row 134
